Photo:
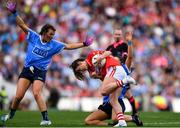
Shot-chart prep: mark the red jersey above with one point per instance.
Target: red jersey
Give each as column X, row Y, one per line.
column 110, row 61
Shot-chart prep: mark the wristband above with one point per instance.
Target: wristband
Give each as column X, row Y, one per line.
column 129, row 43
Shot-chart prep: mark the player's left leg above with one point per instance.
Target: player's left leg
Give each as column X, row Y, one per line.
column 37, row 91
column 135, row 116
column 132, row 101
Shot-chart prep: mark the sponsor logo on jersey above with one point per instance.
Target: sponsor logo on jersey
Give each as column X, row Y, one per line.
column 40, row 52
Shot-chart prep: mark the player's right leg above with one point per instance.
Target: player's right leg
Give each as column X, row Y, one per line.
column 117, row 107
column 22, row 86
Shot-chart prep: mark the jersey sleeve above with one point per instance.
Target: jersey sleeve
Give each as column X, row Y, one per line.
column 59, row 47
column 32, row 35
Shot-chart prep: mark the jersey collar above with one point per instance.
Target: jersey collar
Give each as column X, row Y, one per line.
column 41, row 40
column 115, row 44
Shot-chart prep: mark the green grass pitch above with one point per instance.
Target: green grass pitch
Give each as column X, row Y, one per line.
column 75, row 119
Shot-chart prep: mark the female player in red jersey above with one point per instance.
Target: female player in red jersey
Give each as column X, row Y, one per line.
column 105, row 110
column 111, row 73
column 120, row 50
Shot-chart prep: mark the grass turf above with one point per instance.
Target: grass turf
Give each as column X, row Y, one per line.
column 75, row 119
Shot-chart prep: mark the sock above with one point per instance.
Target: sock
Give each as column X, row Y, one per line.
column 132, row 102
column 119, row 83
column 45, row 115
column 120, row 116
column 12, row 113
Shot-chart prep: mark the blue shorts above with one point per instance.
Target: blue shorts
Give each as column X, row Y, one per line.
column 32, row 73
column 124, row 90
column 107, row 108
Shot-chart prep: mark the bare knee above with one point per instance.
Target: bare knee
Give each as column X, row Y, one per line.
column 88, row 121
column 37, row 95
column 91, row 122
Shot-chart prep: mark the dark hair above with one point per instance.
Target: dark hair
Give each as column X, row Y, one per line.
column 79, row 75
column 45, row 28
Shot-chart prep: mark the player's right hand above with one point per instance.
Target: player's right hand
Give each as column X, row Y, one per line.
column 11, row 6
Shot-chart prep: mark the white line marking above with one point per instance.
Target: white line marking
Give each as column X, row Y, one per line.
column 162, row 123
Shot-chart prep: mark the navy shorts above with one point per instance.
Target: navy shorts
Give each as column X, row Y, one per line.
column 107, row 108
column 32, row 73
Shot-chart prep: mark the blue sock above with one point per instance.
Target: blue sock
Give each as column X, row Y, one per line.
column 12, row 113
column 45, row 115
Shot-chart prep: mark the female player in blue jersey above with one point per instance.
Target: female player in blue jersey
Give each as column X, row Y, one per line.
column 41, row 48
column 105, row 110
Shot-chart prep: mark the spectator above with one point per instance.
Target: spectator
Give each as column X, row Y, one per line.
column 3, row 98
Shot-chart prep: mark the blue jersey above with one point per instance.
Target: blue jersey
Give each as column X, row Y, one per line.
column 124, row 89
column 39, row 54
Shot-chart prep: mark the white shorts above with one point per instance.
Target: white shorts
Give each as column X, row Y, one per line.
column 118, row 73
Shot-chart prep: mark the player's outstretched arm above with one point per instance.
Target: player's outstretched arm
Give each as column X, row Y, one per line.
column 128, row 37
column 87, row 42
column 11, row 6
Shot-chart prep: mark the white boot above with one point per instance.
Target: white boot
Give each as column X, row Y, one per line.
column 45, row 122
column 4, row 118
column 121, row 123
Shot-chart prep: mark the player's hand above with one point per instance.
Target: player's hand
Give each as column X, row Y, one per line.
column 88, row 41
column 128, row 36
column 11, row 6
column 95, row 75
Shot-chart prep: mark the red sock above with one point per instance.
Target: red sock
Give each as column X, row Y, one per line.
column 131, row 99
column 132, row 102
column 120, row 116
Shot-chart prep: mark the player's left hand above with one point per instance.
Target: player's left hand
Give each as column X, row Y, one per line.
column 88, row 41
column 11, row 6
column 128, row 36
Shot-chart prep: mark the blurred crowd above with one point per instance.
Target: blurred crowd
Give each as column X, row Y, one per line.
column 156, row 28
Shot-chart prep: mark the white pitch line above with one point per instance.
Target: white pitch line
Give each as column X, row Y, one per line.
column 163, row 123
